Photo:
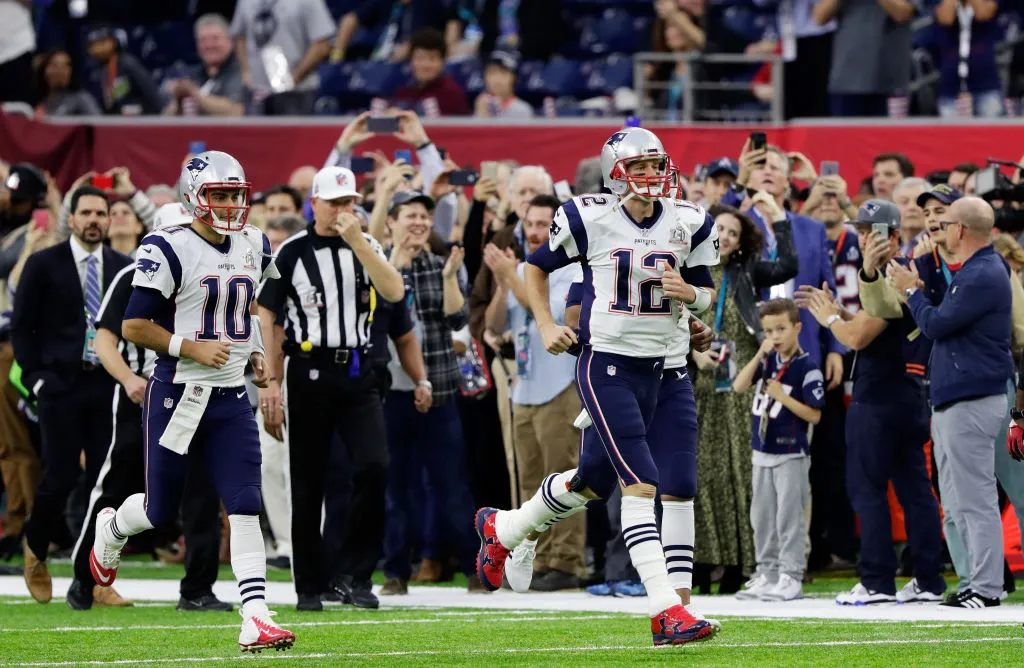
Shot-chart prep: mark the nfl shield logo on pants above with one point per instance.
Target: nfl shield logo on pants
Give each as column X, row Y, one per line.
column 314, row 374
column 168, row 402
column 611, row 370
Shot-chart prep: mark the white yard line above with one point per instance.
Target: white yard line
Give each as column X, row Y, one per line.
column 523, row 650
column 282, row 596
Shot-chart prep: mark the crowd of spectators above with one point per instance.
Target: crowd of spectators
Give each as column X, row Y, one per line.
column 510, row 58
column 782, row 225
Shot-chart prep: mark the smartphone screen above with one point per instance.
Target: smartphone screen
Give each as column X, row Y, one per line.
column 385, row 125
column 881, row 229
column 829, row 168
column 361, row 165
column 489, row 170
column 403, row 154
column 463, row 177
column 41, row 219
column 758, row 140
column 103, row 181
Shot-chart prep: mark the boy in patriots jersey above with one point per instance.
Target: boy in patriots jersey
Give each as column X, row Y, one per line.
column 192, row 300
column 631, row 246
column 788, row 400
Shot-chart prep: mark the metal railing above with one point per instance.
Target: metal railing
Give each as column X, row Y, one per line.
column 696, row 89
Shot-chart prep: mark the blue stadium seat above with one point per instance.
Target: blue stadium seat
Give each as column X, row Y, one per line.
column 334, row 78
column 613, row 33
column 468, row 74
column 560, row 77
column 528, row 78
column 603, row 77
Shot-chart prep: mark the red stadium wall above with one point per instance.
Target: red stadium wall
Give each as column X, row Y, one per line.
column 153, row 151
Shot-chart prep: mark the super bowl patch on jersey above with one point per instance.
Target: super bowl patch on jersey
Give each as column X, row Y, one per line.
column 679, row 236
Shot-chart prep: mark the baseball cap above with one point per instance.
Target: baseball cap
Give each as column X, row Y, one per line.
column 879, row 211
column 172, row 213
column 407, row 196
column 27, row 183
column 943, row 192
column 333, row 183
column 723, row 165
column 506, row 59
column 100, row 31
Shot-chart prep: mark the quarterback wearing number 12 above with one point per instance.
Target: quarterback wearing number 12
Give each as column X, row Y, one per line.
column 192, row 303
column 631, row 246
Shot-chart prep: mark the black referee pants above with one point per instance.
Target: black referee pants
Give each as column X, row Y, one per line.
column 328, row 408
column 123, row 474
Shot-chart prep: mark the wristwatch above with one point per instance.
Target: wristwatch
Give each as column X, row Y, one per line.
column 831, row 319
column 1016, row 414
column 425, row 383
column 909, row 292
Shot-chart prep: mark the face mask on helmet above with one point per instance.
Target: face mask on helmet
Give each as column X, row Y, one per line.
column 647, row 177
column 223, row 206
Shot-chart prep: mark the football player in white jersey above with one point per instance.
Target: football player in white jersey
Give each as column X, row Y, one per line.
column 191, row 303
column 631, row 247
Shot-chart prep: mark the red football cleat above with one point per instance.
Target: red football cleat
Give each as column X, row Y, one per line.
column 490, row 562
column 104, row 558
column 677, row 626
column 259, row 633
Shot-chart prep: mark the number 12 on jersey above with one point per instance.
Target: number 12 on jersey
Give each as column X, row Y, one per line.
column 652, row 261
column 237, row 326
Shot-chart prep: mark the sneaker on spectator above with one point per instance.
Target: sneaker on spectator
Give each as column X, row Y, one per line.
column 912, row 593
column 602, row 589
column 630, row 588
column 968, row 598
column 861, row 595
column 786, row 589
column 755, row 587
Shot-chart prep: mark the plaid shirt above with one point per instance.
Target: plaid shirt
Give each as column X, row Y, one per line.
column 425, row 287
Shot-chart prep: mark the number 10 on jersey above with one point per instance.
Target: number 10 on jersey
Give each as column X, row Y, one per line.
column 652, row 261
column 239, row 292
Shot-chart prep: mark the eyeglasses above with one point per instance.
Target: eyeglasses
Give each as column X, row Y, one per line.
column 943, row 224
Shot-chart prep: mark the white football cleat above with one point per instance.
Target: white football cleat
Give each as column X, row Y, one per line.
column 519, row 566
column 912, row 593
column 755, row 588
column 861, row 595
column 787, row 588
column 259, row 633
column 105, row 557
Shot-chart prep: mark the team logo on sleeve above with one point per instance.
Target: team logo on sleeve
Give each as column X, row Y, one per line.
column 195, row 166
column 148, row 267
column 554, row 230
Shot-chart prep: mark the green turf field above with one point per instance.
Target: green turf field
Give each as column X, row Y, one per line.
column 156, row 634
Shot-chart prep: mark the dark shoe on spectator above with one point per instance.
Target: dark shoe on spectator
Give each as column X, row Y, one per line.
column 969, row 599
column 555, row 580
column 359, row 594
column 394, row 587
column 732, row 580
column 204, row 603
column 475, row 585
column 330, row 596
column 79, row 595
column 309, row 603
column 281, row 562
column 430, row 571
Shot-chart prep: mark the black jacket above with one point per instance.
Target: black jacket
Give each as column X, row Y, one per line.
column 48, row 323
column 749, row 275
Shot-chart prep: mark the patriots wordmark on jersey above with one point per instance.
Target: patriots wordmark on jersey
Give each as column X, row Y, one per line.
column 212, row 288
column 624, row 309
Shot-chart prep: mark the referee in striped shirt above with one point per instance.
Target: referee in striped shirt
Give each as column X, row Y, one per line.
column 331, row 276
column 123, row 472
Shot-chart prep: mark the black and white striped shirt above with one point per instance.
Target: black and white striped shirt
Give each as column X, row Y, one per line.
column 324, row 293
column 140, row 360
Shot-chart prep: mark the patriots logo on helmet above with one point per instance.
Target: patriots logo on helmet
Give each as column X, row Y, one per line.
column 148, row 267
column 194, row 166
column 616, row 138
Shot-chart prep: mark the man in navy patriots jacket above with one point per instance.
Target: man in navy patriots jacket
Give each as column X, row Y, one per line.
column 971, row 371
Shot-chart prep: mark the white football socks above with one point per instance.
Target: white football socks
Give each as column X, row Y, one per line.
column 552, row 499
column 249, row 563
column 640, row 531
column 677, row 534
column 129, row 520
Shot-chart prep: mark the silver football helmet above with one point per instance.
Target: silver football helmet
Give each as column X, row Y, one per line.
column 213, row 188
column 630, row 145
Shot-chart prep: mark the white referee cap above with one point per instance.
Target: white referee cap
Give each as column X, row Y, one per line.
column 172, row 213
column 334, row 183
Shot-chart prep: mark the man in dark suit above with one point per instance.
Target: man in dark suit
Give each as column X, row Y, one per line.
column 53, row 331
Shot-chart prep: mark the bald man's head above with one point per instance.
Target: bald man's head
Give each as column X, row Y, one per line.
column 975, row 214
